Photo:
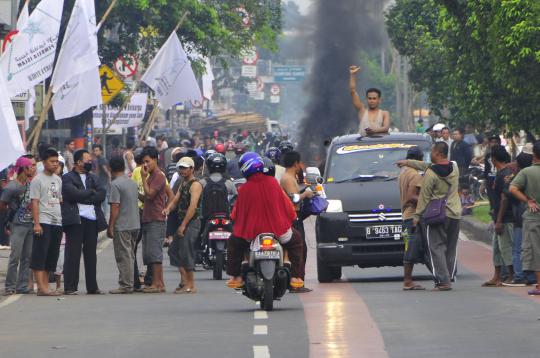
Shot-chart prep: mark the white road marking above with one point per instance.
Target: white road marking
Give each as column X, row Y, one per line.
column 261, row 315
column 261, row 352
column 10, row 300
column 260, row 330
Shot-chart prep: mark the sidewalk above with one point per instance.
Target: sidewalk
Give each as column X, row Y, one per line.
column 477, row 230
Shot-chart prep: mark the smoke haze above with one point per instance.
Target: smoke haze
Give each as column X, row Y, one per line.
column 342, row 28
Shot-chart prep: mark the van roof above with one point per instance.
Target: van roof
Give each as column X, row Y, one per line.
column 382, row 138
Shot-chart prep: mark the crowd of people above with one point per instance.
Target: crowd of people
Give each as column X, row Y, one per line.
column 152, row 197
column 434, row 197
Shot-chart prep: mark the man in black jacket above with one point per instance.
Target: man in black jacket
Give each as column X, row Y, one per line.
column 461, row 152
column 82, row 219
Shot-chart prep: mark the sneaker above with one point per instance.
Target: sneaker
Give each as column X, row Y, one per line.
column 515, row 283
column 120, row 291
column 9, row 292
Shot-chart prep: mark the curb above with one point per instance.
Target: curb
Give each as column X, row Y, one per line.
column 477, row 230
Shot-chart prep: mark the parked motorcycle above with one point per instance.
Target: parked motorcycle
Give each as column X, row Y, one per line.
column 265, row 276
column 476, row 182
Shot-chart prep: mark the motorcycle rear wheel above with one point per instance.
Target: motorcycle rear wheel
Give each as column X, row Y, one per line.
column 219, row 263
column 267, row 301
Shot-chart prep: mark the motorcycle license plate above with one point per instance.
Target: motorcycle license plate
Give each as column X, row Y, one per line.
column 267, row 255
column 384, row 232
column 219, row 235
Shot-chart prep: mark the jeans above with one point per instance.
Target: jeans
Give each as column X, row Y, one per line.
column 516, row 254
column 19, row 259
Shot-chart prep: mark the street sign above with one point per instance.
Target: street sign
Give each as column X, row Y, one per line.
column 289, row 73
column 126, row 66
column 275, row 90
column 249, row 71
column 275, row 99
column 250, row 56
column 22, row 97
column 110, row 84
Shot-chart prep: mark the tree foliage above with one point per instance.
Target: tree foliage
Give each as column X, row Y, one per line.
column 474, row 59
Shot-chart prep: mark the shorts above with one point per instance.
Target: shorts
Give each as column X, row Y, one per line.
column 153, row 237
column 530, row 247
column 183, row 249
column 414, row 249
column 46, row 248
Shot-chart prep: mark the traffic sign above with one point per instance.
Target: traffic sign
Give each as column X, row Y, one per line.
column 249, row 71
column 250, row 56
column 275, row 90
column 110, row 84
column 275, row 99
column 289, row 73
column 126, row 66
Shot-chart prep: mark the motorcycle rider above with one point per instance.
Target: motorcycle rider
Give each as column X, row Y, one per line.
column 274, row 154
column 262, row 207
column 233, row 167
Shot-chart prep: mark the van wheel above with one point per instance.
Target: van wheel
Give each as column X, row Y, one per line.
column 325, row 274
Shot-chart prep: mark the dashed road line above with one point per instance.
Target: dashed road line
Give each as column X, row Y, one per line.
column 260, row 330
column 261, row 352
column 261, row 315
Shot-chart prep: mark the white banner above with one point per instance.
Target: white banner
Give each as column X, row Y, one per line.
column 29, row 60
column 170, row 75
column 77, row 95
column 132, row 116
column 207, row 81
column 11, row 145
column 79, row 51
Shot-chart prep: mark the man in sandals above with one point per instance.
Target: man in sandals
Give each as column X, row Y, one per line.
column 526, row 188
column 441, row 180
column 409, row 186
column 187, row 199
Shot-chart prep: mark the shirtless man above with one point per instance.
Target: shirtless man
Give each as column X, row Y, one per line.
column 372, row 120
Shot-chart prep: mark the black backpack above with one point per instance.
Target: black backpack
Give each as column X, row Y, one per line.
column 171, row 169
column 215, row 198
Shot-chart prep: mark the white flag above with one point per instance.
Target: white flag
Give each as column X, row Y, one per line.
column 11, row 145
column 22, row 21
column 207, row 81
column 170, row 75
column 29, row 60
column 77, row 95
column 79, row 52
column 28, row 105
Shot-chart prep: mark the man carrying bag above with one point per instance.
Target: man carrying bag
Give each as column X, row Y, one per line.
column 439, row 213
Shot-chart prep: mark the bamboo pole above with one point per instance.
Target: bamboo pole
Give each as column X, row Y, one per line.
column 36, row 133
column 182, row 19
column 153, row 115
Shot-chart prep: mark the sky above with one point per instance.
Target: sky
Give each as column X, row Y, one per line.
column 304, row 5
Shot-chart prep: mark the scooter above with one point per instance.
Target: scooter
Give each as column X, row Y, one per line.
column 218, row 232
column 265, row 276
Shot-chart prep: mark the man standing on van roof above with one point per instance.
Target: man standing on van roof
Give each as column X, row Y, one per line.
column 372, row 120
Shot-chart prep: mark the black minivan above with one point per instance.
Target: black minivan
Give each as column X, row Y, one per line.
column 363, row 224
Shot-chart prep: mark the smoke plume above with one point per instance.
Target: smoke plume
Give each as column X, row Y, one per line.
column 343, row 28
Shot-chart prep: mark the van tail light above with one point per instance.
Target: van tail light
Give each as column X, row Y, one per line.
column 214, row 221
column 225, row 222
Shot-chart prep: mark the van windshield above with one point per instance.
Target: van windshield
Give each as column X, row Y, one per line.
column 368, row 162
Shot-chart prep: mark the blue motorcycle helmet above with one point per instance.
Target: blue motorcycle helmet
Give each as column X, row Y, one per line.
column 274, row 154
column 251, row 163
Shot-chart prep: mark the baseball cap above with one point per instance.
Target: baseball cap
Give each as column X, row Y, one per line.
column 438, row 127
column 185, row 162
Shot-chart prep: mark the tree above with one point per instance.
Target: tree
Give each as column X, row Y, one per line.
column 472, row 57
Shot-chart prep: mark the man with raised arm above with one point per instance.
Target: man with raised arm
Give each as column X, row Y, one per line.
column 372, row 119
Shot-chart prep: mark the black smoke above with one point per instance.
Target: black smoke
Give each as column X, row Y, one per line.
column 342, row 29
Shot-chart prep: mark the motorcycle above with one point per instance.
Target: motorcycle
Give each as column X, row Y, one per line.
column 218, row 231
column 265, row 276
column 475, row 180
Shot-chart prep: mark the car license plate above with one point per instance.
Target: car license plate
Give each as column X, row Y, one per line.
column 219, row 235
column 267, row 255
column 384, row 232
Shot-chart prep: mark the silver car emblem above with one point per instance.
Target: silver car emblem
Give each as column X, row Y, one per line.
column 382, row 217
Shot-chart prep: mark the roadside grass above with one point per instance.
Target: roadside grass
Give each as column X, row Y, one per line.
column 481, row 213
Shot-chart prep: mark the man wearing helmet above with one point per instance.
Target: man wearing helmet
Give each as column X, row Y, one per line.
column 274, row 154
column 262, row 206
column 217, row 166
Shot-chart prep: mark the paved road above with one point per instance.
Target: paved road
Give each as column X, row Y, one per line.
column 365, row 315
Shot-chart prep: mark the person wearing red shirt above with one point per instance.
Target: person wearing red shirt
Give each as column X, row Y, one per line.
column 262, row 207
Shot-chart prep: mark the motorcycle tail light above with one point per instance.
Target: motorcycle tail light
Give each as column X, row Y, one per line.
column 214, row 221
column 225, row 222
column 267, row 244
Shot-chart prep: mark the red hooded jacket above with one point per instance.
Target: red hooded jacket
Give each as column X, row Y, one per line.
column 262, row 207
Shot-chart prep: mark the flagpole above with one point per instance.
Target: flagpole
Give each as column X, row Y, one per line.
column 130, row 96
column 151, row 120
column 35, row 134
